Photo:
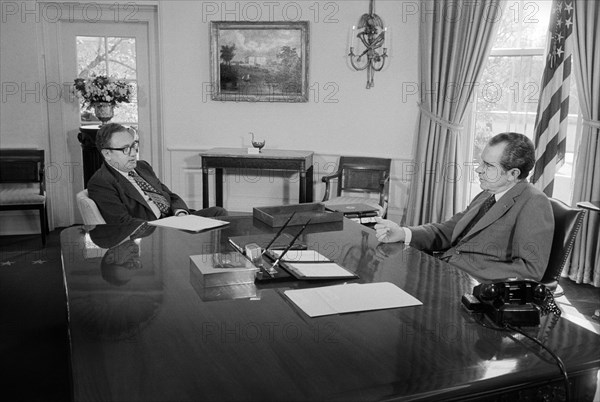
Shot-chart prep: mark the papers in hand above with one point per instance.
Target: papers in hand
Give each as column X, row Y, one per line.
column 349, row 298
column 188, row 222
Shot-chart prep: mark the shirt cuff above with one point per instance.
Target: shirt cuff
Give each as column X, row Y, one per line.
column 407, row 236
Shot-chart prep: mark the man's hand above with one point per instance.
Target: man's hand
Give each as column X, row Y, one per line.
column 387, row 231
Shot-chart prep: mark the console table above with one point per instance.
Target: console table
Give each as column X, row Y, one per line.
column 270, row 159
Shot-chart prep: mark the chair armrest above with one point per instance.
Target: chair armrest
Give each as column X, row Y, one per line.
column 384, row 198
column 330, row 177
column 327, row 180
column 385, row 180
column 42, row 174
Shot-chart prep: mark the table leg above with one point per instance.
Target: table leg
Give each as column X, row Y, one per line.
column 219, row 187
column 204, row 187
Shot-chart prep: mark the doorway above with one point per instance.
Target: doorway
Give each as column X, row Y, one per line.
column 80, row 44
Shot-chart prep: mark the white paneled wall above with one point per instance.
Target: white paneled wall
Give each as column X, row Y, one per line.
column 243, row 190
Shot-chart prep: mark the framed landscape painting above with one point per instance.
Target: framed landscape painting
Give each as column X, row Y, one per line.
column 259, row 61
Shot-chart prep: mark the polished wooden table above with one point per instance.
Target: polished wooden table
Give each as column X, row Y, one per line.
column 238, row 159
column 146, row 330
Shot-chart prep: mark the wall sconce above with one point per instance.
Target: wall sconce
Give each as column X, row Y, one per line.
column 371, row 32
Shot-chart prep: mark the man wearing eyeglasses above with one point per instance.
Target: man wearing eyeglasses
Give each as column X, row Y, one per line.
column 507, row 229
column 126, row 189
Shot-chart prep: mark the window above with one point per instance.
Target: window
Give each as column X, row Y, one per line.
column 113, row 57
column 509, row 90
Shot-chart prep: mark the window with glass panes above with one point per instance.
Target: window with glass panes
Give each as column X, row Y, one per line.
column 114, row 57
column 510, row 86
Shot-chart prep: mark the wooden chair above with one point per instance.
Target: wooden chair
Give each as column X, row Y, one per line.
column 89, row 210
column 360, row 180
column 567, row 221
column 23, row 183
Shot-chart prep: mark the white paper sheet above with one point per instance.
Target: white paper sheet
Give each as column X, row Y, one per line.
column 320, row 270
column 352, row 297
column 188, row 222
column 300, row 255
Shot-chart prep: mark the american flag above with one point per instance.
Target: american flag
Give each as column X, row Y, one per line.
column 553, row 107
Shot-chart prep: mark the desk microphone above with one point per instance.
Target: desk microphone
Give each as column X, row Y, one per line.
column 289, row 246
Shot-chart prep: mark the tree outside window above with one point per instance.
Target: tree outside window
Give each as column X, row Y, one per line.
column 114, row 57
column 509, row 90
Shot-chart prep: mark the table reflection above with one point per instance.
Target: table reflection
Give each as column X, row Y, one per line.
column 118, row 290
column 360, row 258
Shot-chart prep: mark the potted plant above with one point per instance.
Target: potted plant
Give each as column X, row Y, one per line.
column 102, row 93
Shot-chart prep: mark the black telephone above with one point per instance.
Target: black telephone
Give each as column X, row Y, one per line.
column 511, row 301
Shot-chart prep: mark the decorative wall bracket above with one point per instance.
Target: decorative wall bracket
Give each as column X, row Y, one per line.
column 373, row 53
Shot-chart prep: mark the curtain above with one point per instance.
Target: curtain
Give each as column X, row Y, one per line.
column 455, row 39
column 585, row 258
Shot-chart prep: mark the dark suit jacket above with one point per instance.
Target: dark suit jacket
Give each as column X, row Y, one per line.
column 120, row 202
column 108, row 236
column 512, row 240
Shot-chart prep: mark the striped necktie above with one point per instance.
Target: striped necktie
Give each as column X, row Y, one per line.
column 487, row 204
column 161, row 202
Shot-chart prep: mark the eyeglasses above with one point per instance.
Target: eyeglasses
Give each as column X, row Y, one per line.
column 135, row 146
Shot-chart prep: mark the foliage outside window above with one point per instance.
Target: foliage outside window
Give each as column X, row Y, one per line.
column 510, row 86
column 109, row 57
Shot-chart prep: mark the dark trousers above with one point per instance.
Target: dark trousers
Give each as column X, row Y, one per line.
column 210, row 212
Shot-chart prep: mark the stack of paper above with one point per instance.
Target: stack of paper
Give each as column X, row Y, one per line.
column 310, row 264
column 300, row 256
column 188, row 222
column 349, row 298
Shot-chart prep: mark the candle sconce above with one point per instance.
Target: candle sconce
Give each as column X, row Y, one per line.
column 371, row 33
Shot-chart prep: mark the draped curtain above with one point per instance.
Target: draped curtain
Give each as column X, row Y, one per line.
column 585, row 258
column 455, row 39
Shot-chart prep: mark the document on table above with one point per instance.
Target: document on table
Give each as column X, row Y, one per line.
column 188, row 222
column 310, row 264
column 319, row 270
column 300, row 256
column 349, row 298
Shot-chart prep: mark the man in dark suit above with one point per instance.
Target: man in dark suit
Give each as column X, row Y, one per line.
column 126, row 189
column 507, row 229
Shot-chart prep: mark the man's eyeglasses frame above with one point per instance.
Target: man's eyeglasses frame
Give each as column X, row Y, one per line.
column 134, row 146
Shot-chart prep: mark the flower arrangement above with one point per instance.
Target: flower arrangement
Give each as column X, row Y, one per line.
column 102, row 89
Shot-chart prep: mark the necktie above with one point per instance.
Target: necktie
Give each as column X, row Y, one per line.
column 161, row 202
column 487, row 204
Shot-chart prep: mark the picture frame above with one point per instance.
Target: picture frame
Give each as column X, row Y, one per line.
column 259, row 61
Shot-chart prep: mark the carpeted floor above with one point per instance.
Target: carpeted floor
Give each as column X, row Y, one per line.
column 34, row 352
